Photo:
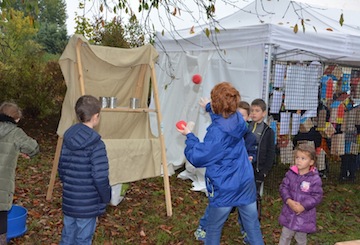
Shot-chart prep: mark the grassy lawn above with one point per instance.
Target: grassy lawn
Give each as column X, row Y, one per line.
column 141, row 217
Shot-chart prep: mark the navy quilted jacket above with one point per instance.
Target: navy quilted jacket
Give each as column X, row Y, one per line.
column 84, row 171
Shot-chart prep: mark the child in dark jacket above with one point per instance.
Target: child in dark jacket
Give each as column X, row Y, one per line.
column 249, row 137
column 265, row 138
column 301, row 191
column 83, row 171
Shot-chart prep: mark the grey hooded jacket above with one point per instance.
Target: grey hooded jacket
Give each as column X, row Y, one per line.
column 13, row 141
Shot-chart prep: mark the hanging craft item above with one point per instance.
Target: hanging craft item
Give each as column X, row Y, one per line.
column 283, row 140
column 338, row 144
column 306, row 125
column 329, row 130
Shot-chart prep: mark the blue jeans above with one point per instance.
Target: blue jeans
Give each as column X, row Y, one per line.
column 216, row 217
column 78, row 231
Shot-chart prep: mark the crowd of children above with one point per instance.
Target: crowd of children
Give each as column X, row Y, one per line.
column 229, row 150
column 238, row 155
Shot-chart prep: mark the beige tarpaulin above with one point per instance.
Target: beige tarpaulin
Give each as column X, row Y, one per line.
column 134, row 152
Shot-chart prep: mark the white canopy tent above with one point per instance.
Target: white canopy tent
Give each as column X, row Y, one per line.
column 248, row 39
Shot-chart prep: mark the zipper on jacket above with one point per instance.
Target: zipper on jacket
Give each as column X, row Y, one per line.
column 258, row 149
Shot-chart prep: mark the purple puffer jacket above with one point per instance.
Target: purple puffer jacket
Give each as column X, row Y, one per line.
column 305, row 189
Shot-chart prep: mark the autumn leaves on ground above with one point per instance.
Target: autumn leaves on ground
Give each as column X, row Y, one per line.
column 141, row 217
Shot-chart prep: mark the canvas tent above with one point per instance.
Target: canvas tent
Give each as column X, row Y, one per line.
column 248, row 40
column 134, row 152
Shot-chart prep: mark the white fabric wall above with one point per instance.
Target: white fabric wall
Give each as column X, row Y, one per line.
column 179, row 97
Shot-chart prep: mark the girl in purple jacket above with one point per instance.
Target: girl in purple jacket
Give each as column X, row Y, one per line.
column 301, row 191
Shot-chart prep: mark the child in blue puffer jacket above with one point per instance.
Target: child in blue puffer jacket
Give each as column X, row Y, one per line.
column 229, row 174
column 84, row 173
column 301, row 191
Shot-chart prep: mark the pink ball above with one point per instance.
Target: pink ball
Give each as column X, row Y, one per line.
column 197, row 79
column 181, row 124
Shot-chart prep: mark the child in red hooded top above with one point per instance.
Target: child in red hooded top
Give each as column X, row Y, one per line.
column 301, row 191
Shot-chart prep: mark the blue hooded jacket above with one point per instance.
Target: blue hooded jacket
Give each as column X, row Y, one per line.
column 84, row 172
column 229, row 174
column 249, row 137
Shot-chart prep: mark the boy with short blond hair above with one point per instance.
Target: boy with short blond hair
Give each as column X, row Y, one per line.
column 265, row 137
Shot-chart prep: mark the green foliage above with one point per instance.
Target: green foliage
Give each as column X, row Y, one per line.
column 30, row 8
column 52, row 33
column 52, row 38
column 15, row 32
column 83, row 26
column 341, row 20
column 110, row 34
column 35, row 85
column 25, row 75
column 134, row 33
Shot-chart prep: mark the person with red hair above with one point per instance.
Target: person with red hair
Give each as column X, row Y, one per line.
column 229, row 174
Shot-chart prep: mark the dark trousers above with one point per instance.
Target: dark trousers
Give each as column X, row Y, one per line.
column 3, row 222
column 348, row 166
column 259, row 186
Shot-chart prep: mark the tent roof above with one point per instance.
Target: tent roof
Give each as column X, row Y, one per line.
column 271, row 22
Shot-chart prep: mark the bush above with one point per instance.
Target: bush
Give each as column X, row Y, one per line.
column 35, row 85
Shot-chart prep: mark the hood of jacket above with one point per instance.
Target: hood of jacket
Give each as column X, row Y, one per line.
column 312, row 171
column 7, row 124
column 234, row 125
column 80, row 136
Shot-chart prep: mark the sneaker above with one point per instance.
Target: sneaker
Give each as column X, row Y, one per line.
column 200, row 234
column 245, row 238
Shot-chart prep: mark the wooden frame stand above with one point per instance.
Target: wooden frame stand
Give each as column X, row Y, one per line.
column 138, row 91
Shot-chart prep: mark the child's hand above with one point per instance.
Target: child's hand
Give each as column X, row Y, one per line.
column 295, row 206
column 184, row 131
column 250, row 158
column 299, row 208
column 203, row 102
column 24, row 155
column 292, row 204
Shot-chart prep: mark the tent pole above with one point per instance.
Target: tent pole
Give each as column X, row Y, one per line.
column 79, row 65
column 140, row 83
column 268, row 72
column 54, row 169
column 162, row 143
column 60, row 139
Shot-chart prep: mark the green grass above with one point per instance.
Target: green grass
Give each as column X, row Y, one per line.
column 141, row 217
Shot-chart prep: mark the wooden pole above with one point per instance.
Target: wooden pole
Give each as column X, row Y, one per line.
column 79, row 65
column 54, row 169
column 162, row 143
column 60, row 139
column 140, row 82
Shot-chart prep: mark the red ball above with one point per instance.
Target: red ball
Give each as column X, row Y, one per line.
column 197, row 79
column 181, row 124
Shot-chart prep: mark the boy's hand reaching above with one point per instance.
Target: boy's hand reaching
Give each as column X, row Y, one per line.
column 203, row 102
